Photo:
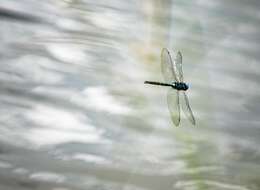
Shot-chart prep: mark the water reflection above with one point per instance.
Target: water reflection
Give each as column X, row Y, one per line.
column 76, row 115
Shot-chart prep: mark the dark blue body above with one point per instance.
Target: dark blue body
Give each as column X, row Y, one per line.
column 180, row 86
column 175, row 85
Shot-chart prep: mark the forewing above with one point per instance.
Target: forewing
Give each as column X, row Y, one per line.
column 174, row 106
column 178, row 65
column 186, row 107
column 168, row 70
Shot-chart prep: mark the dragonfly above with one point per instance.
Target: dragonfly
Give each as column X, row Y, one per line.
column 173, row 76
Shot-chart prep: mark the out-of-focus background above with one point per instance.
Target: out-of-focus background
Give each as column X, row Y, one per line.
column 75, row 113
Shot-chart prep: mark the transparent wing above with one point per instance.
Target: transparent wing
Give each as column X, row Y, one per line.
column 174, row 105
column 186, row 107
column 178, row 65
column 168, row 69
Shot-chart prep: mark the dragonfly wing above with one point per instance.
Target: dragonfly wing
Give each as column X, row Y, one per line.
column 186, row 107
column 168, row 69
column 174, row 106
column 178, row 65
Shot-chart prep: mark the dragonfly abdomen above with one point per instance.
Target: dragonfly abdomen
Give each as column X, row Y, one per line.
column 157, row 83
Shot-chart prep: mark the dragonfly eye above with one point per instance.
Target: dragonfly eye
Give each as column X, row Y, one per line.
column 187, row 86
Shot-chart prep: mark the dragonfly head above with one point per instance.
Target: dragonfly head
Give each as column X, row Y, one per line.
column 185, row 86
column 188, row 86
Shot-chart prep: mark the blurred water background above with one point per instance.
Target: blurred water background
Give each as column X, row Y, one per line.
column 75, row 113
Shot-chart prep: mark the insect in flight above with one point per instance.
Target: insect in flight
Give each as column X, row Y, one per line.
column 173, row 76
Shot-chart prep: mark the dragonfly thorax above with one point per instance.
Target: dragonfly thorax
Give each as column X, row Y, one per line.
column 180, row 86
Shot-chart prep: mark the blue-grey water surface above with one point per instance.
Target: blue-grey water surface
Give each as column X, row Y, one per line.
column 75, row 114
